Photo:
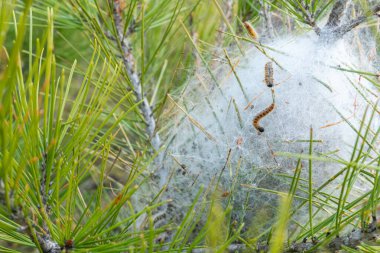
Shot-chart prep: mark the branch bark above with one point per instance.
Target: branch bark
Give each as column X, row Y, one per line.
column 130, row 67
column 343, row 29
column 336, row 13
column 44, row 240
column 47, row 244
column 337, row 32
column 161, row 173
column 351, row 240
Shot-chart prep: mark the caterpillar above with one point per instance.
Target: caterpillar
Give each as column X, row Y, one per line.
column 269, row 74
column 250, row 30
column 225, row 194
column 119, row 6
column 260, row 116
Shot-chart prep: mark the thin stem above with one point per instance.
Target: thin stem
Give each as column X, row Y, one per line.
column 311, row 183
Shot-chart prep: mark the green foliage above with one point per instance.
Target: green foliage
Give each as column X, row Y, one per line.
column 248, row 10
column 308, row 12
column 51, row 141
column 69, row 116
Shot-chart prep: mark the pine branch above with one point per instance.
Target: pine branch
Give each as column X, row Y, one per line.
column 312, row 23
column 309, row 17
column 343, row 29
column 332, row 31
column 231, row 248
column 48, row 245
column 161, row 174
column 145, row 108
column 130, row 67
column 351, row 240
column 42, row 239
column 336, row 13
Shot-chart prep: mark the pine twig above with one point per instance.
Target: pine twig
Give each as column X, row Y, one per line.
column 161, row 174
column 231, row 248
column 309, row 17
column 129, row 64
column 43, row 240
column 336, row 13
column 268, row 20
column 351, row 240
column 343, row 29
column 338, row 31
column 47, row 244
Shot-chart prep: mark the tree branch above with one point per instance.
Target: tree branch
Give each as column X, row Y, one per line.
column 161, row 174
column 351, row 240
column 48, row 245
column 336, row 14
column 231, row 248
column 308, row 16
column 341, row 30
column 129, row 64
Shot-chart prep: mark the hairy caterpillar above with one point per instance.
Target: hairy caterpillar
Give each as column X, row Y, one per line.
column 225, row 194
column 269, row 74
column 260, row 116
column 250, row 30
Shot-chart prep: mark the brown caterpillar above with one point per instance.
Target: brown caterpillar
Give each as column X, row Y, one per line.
column 250, row 30
column 269, row 74
column 225, row 194
column 260, row 116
